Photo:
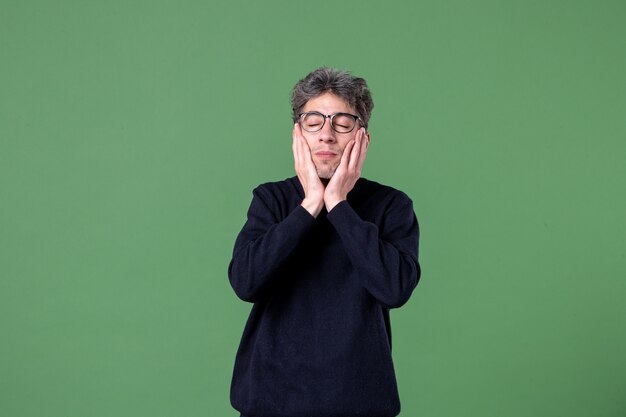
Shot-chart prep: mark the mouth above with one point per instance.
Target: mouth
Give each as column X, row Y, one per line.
column 325, row 154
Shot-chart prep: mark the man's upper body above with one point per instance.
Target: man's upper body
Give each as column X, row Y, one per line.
column 323, row 256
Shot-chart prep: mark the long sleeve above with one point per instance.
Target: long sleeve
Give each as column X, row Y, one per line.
column 318, row 338
column 264, row 244
column 386, row 259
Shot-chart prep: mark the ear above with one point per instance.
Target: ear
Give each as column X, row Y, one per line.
column 367, row 137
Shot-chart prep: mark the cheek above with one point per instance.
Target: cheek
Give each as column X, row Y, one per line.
column 309, row 142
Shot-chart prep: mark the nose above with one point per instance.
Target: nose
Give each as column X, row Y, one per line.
column 327, row 134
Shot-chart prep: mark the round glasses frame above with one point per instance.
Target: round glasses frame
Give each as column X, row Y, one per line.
column 331, row 117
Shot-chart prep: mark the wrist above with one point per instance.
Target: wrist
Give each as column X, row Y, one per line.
column 313, row 205
column 331, row 202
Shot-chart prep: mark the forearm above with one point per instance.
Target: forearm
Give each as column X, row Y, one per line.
column 259, row 255
column 389, row 269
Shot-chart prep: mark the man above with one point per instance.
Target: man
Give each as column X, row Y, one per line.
column 323, row 256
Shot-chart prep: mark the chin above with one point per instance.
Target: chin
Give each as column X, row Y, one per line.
column 326, row 172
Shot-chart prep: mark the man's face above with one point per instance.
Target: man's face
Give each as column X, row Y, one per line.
column 327, row 145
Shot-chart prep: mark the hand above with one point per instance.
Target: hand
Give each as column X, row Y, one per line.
column 307, row 173
column 348, row 171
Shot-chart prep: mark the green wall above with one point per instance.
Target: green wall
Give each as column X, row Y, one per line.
column 132, row 134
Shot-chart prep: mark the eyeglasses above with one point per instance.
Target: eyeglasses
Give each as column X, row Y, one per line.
column 314, row 121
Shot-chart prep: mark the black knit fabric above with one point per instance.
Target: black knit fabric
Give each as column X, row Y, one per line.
column 318, row 339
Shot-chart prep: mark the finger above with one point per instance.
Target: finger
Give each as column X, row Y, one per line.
column 298, row 152
column 294, row 150
column 297, row 133
column 308, row 155
column 363, row 153
column 345, row 157
column 304, row 149
column 356, row 162
column 303, row 142
column 296, row 130
column 305, row 158
column 356, row 151
column 305, row 152
column 293, row 140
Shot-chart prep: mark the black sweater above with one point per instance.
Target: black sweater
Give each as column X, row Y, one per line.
column 318, row 339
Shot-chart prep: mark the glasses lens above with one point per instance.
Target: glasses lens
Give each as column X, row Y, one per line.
column 343, row 123
column 312, row 122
